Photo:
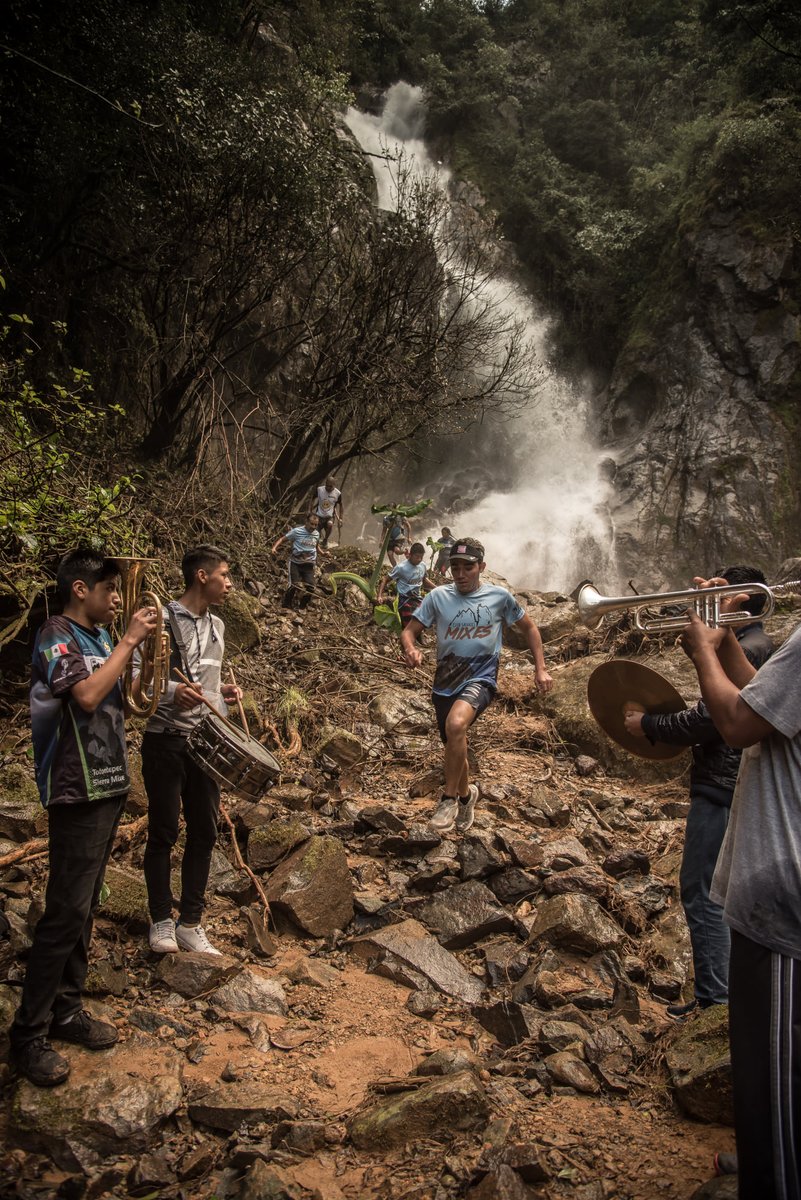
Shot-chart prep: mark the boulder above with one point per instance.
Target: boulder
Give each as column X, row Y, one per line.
column 126, row 901
column 293, row 796
column 568, row 708
column 240, row 613
column 272, row 842
column 227, row 880
column 247, row 1102
column 439, row 1109
column 112, row 1104
column 408, row 946
column 464, row 914
column 576, row 922
column 341, row 747
column 402, row 711
column 192, row 974
column 249, row 990
column 699, row 1063
column 566, row 1068
column 314, row 887
column 558, row 854
column 21, row 814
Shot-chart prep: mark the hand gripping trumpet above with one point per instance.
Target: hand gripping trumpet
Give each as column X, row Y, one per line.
column 704, row 602
column 154, row 663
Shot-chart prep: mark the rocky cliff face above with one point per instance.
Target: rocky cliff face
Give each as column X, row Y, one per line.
column 702, row 417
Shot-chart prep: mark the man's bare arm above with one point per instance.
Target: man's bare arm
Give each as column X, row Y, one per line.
column 737, row 724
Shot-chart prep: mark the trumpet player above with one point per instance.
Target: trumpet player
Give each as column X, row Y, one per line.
column 712, row 780
column 757, row 882
column 81, row 766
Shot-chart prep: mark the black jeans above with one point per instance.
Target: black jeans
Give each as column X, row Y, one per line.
column 80, row 839
column 173, row 780
column 765, row 1037
column 299, row 573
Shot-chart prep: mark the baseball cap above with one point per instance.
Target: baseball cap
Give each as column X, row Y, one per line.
column 468, row 549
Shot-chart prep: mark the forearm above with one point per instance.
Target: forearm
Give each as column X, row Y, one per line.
column 736, row 723
column 92, row 691
column 534, row 640
column 734, row 662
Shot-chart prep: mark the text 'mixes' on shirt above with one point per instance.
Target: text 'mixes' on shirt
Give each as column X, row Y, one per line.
column 469, row 632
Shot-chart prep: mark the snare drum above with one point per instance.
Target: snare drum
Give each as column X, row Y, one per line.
column 237, row 761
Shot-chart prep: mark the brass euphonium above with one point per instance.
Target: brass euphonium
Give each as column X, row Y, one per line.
column 154, row 665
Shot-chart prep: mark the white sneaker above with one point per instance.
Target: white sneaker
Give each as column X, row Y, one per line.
column 467, row 810
column 444, row 814
column 162, row 937
column 193, row 937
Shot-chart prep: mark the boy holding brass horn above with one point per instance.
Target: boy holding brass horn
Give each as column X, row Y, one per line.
column 82, row 773
column 173, row 780
column 757, row 882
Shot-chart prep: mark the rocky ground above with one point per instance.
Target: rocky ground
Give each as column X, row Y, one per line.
column 476, row 1016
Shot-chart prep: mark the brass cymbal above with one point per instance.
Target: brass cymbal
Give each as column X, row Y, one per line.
column 619, row 681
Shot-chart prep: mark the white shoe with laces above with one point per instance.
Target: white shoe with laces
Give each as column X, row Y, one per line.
column 467, row 810
column 444, row 814
column 161, row 937
column 193, row 937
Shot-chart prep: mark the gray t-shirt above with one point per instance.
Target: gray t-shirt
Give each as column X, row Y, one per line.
column 758, row 875
column 202, row 644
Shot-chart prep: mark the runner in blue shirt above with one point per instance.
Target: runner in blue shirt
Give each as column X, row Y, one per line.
column 468, row 616
column 409, row 576
column 304, row 540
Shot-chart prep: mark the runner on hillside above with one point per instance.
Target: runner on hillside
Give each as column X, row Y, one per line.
column 469, row 617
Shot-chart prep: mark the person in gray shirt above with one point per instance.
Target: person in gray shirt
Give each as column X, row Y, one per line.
column 757, row 882
column 173, row 781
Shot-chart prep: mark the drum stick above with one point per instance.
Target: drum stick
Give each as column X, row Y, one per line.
column 239, row 704
column 196, row 689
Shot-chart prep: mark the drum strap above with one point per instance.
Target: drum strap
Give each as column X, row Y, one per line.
column 178, row 654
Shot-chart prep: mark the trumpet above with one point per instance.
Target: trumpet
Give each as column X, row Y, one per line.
column 154, row 666
column 704, row 602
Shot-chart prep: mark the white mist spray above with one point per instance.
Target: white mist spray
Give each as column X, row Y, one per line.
column 545, row 525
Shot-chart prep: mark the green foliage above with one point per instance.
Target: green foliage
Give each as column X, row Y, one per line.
column 50, row 498
column 53, row 493
column 595, row 127
column 386, row 616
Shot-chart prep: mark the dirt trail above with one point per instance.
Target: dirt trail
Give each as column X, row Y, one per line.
column 354, row 1035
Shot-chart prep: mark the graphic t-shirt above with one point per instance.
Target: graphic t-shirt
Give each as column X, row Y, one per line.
column 78, row 755
column 327, row 501
column 408, row 577
column 757, row 879
column 469, row 631
column 304, row 544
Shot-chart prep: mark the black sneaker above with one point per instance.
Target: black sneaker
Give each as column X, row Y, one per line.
column 682, row 1010
column 84, row 1030
column 39, row 1062
column 467, row 810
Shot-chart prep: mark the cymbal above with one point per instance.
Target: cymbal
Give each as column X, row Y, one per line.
column 613, row 684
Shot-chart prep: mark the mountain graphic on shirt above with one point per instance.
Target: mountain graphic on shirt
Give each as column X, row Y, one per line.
column 480, row 615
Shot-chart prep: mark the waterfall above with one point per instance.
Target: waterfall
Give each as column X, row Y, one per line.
column 541, row 505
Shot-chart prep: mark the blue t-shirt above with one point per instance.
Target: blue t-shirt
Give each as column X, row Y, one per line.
column 408, row 577
column 469, row 631
column 304, row 544
column 78, row 755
